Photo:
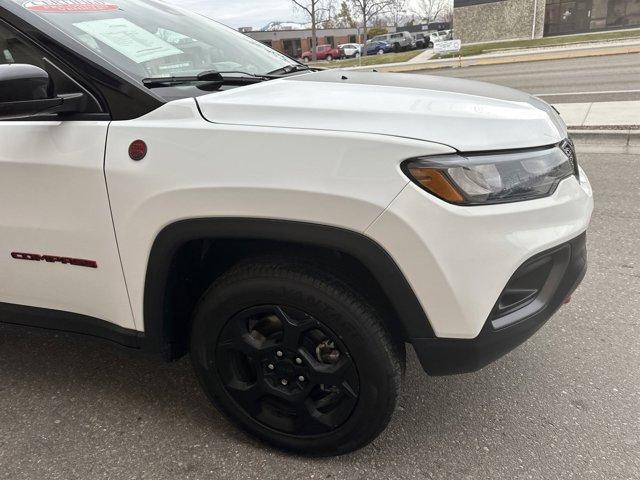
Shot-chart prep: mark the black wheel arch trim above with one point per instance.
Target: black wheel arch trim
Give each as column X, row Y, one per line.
column 374, row 257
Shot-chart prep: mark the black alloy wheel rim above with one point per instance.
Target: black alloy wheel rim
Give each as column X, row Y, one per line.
column 287, row 370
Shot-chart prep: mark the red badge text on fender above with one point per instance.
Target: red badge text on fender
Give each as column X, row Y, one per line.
column 36, row 257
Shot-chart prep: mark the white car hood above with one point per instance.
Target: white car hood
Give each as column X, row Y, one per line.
column 466, row 115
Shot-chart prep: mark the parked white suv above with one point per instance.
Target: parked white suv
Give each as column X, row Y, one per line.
column 440, row 36
column 173, row 186
column 351, row 50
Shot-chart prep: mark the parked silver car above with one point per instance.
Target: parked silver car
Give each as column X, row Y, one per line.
column 399, row 40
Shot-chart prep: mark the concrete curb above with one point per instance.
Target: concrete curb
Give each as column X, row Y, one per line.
column 606, row 141
column 561, row 53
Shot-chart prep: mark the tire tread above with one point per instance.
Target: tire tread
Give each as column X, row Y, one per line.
column 313, row 275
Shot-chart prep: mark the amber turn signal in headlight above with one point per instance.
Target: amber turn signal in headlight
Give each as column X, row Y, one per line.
column 481, row 179
column 436, row 182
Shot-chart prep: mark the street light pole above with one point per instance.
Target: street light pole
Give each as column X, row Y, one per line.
column 535, row 19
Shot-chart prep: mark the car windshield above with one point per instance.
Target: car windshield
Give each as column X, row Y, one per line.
column 149, row 38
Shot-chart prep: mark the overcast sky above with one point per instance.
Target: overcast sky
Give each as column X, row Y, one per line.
column 243, row 13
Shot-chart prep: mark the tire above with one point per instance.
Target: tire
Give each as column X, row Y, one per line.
column 329, row 58
column 332, row 335
column 381, row 52
column 305, row 59
column 357, row 55
column 397, row 47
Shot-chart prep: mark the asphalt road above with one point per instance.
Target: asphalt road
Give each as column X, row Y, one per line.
column 591, row 79
column 564, row 405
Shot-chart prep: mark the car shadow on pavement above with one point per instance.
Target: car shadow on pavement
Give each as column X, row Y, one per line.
column 66, row 376
column 88, row 376
column 89, row 406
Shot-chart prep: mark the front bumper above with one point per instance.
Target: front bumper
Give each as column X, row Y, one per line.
column 553, row 275
column 459, row 259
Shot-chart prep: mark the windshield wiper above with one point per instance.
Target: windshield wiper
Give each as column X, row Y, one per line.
column 290, row 69
column 212, row 78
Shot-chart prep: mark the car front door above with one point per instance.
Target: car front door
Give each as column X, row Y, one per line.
column 58, row 251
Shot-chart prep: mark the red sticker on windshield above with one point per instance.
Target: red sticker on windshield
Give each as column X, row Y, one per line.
column 69, row 6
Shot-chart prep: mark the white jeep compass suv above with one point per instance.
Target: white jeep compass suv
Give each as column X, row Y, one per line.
column 175, row 187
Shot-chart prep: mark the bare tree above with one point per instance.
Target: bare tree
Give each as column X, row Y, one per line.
column 314, row 9
column 367, row 10
column 329, row 17
column 397, row 12
column 447, row 16
column 344, row 19
column 432, row 10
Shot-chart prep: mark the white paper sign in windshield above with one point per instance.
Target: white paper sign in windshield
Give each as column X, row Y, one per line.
column 69, row 6
column 129, row 39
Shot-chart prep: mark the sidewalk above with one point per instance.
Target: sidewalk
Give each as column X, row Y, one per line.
column 616, row 47
column 423, row 57
column 600, row 114
column 604, row 127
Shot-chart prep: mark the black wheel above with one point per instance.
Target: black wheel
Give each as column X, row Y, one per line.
column 296, row 358
column 329, row 58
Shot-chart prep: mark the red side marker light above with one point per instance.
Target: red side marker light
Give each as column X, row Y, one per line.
column 137, row 150
column 567, row 300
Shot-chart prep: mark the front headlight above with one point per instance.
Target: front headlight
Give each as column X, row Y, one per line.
column 488, row 178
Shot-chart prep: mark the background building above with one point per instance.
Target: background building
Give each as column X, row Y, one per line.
column 489, row 20
column 293, row 42
column 590, row 15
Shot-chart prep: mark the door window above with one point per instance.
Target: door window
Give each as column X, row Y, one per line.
column 15, row 50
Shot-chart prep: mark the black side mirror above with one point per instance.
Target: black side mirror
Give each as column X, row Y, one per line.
column 26, row 90
column 21, row 83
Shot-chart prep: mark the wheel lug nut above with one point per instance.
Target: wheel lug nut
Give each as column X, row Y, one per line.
column 279, row 353
column 271, row 366
column 284, row 382
column 301, row 378
column 298, row 360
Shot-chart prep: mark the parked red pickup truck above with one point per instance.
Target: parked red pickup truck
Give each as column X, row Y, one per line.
column 324, row 52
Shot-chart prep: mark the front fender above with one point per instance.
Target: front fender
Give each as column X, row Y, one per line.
column 199, row 169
